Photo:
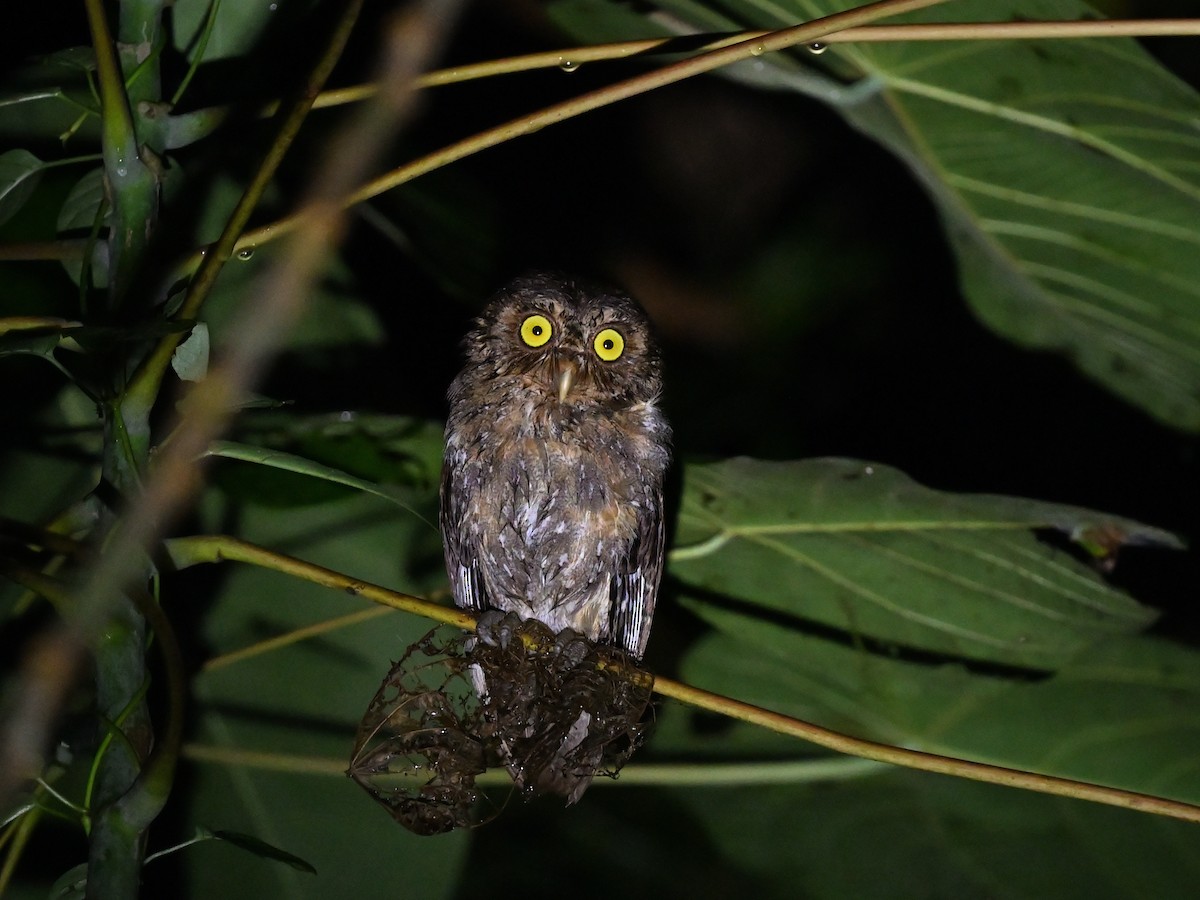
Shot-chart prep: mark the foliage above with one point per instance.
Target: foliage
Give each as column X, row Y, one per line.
column 809, row 306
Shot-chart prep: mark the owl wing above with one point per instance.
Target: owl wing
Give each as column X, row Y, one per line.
column 462, row 557
column 634, row 588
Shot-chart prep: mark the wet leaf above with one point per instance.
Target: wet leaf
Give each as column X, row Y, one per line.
column 1064, row 172
column 236, row 30
column 289, row 462
column 1120, row 714
column 190, row 360
column 19, row 174
column 862, row 549
column 77, row 218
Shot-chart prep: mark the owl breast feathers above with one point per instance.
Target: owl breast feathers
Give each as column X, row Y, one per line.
column 552, row 502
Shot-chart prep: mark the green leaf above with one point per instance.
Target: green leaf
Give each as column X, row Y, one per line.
column 19, row 174
column 1064, row 171
column 1121, row 714
column 237, row 26
column 1070, row 196
column 71, row 884
column 78, row 213
column 34, row 343
column 863, row 549
column 305, row 700
column 77, row 218
column 289, row 462
column 190, row 360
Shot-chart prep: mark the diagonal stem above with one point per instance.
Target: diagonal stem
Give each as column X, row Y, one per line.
column 185, row 552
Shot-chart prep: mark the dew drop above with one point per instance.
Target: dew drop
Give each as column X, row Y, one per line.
column 567, row 65
column 758, row 50
column 245, row 253
column 817, row 48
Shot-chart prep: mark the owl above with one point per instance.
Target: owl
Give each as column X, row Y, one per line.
column 552, row 482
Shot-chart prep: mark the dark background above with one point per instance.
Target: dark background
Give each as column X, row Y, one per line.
column 695, row 197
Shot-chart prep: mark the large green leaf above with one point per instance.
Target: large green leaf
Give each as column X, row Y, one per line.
column 236, row 28
column 863, row 549
column 305, row 700
column 1122, row 714
column 1065, row 173
column 19, row 174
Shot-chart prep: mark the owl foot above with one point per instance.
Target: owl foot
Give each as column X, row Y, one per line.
column 571, row 645
column 496, row 627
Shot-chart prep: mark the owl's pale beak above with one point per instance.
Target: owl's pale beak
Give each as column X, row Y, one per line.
column 566, row 378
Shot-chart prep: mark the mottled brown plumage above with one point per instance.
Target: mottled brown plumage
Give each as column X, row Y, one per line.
column 555, row 452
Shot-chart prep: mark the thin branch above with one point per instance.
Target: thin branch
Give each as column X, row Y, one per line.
column 22, row 831
column 190, row 551
column 573, row 56
column 210, row 549
column 1023, row 31
column 706, row 775
column 927, row 762
column 295, row 636
column 570, row 58
column 606, row 96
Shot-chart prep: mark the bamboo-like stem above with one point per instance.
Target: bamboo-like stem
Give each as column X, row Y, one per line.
column 116, row 846
column 144, row 387
column 139, row 805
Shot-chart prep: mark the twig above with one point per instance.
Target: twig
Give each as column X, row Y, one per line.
column 606, row 96
column 573, row 56
column 193, row 550
column 927, row 762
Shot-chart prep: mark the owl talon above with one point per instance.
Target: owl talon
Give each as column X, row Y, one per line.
column 572, row 645
column 496, row 627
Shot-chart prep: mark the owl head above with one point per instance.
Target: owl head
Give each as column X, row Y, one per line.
column 573, row 343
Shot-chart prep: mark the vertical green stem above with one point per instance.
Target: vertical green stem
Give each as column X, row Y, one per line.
column 130, row 92
column 117, row 846
column 131, row 168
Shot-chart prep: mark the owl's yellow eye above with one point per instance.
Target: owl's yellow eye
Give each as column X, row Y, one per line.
column 609, row 344
column 536, row 330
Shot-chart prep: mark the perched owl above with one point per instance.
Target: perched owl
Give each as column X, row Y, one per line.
column 552, row 497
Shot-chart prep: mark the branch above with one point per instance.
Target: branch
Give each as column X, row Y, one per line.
column 606, row 96
column 188, row 551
